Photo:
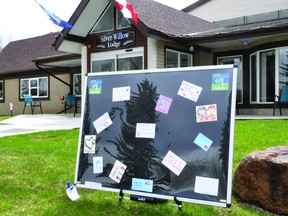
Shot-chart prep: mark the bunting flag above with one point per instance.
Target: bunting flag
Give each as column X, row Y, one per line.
column 55, row 19
column 127, row 10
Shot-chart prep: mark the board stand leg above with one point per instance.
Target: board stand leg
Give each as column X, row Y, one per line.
column 121, row 195
column 178, row 203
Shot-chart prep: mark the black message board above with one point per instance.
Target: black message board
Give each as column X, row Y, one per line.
column 160, row 133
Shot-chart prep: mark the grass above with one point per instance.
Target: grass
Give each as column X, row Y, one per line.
column 35, row 167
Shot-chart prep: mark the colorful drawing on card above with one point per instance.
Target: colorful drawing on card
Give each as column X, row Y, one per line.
column 97, row 164
column 95, row 86
column 220, row 82
column 206, row 113
column 142, row 185
column 189, row 91
column 121, row 94
column 203, row 142
column 117, row 171
column 204, row 185
column 145, row 130
column 89, row 144
column 174, row 163
column 163, row 104
column 102, row 122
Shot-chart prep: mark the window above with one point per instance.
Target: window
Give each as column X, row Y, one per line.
column 77, row 84
column 1, row 90
column 106, row 21
column 268, row 73
column 122, row 22
column 119, row 60
column 283, row 67
column 235, row 60
column 37, row 87
column 175, row 59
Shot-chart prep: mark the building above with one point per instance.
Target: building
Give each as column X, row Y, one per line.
column 25, row 67
column 103, row 40
column 253, row 35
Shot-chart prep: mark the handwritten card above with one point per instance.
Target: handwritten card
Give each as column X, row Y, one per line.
column 102, row 122
column 205, row 185
column 203, row 142
column 189, row 91
column 121, row 94
column 163, row 104
column 206, row 113
column 97, row 164
column 117, row 171
column 145, row 130
column 174, row 163
column 89, row 144
column 142, row 184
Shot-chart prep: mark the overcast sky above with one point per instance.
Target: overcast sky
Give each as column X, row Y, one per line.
column 21, row 19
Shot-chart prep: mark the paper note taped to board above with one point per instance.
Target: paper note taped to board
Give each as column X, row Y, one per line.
column 145, row 130
column 117, row 171
column 206, row 185
column 121, row 94
column 189, row 91
column 102, row 122
column 89, row 144
column 163, row 104
column 174, row 163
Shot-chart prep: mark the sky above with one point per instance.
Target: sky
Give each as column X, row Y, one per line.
column 20, row 19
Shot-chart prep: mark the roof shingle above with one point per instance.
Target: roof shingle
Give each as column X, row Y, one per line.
column 17, row 56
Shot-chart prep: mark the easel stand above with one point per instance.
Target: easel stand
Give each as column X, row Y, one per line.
column 150, row 200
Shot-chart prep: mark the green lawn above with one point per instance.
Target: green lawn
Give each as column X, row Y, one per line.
column 35, row 167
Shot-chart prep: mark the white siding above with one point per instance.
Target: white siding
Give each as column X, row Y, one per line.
column 216, row 10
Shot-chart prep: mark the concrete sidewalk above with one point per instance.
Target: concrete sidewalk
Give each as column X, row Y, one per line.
column 22, row 124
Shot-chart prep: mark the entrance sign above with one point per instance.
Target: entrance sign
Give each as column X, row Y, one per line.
column 165, row 134
column 115, row 40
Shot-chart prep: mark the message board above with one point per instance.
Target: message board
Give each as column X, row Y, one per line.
column 165, row 133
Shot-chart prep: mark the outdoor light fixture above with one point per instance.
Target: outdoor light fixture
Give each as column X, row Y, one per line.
column 191, row 49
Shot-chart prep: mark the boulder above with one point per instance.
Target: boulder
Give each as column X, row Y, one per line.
column 262, row 179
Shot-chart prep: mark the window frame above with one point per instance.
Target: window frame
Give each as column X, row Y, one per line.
column 256, row 81
column 239, row 74
column 3, row 91
column 114, row 20
column 115, row 55
column 179, row 53
column 74, row 84
column 21, row 92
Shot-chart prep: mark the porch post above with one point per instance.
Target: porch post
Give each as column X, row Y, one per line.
column 83, row 71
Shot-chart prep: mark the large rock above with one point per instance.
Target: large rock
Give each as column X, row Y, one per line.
column 262, row 179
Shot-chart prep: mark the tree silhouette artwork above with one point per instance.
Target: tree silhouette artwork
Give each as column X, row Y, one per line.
column 139, row 154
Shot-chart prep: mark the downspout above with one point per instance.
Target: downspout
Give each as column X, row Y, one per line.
column 46, row 71
column 70, row 88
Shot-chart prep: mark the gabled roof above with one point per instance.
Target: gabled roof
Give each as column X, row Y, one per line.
column 161, row 18
column 154, row 18
column 17, row 56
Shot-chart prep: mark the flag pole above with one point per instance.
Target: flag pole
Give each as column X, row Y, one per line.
column 51, row 20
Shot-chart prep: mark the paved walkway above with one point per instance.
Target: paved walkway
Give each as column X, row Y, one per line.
column 22, row 124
